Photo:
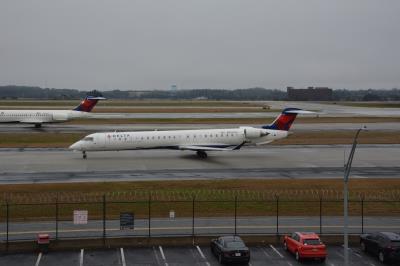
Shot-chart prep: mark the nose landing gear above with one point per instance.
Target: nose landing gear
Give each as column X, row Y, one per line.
column 202, row 154
column 84, row 156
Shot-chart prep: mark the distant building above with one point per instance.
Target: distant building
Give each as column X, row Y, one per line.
column 310, row 94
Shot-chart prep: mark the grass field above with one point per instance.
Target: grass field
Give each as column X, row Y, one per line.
column 212, row 197
column 64, row 140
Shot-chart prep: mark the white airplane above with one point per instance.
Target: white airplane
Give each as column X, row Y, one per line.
column 201, row 140
column 38, row 117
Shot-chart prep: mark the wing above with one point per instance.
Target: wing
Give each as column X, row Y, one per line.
column 31, row 121
column 210, row 148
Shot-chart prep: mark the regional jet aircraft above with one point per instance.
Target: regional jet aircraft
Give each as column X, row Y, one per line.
column 200, row 141
column 38, row 117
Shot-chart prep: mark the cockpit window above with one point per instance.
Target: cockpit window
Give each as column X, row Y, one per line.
column 88, row 139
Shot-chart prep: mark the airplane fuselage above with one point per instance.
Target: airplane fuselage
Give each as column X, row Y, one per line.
column 204, row 139
column 39, row 116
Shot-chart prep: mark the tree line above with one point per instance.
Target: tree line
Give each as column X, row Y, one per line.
column 27, row 92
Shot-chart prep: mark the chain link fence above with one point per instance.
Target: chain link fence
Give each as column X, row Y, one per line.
column 102, row 217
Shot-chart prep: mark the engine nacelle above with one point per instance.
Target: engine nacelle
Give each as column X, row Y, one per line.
column 253, row 133
column 60, row 116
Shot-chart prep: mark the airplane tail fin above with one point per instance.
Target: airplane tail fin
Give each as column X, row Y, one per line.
column 88, row 103
column 286, row 119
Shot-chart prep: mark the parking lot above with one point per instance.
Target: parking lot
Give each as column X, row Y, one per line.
column 169, row 256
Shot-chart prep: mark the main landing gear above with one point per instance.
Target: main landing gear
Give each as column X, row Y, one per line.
column 38, row 125
column 202, row 154
column 84, row 156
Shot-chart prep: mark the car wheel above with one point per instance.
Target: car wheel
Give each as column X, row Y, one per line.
column 381, row 257
column 363, row 247
column 297, row 255
column 284, row 245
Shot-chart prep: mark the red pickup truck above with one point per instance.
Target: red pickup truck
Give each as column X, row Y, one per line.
column 305, row 245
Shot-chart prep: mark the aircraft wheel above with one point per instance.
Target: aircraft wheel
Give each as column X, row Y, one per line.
column 38, row 125
column 84, row 156
column 202, row 154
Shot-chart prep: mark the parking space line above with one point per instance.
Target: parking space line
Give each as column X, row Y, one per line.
column 358, row 255
column 276, row 251
column 201, row 252
column 340, row 254
column 265, row 252
column 162, row 255
column 81, row 258
column 38, row 259
column 123, row 257
column 156, row 255
column 162, row 252
column 202, row 255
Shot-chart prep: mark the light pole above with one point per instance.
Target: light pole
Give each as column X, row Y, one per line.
column 345, row 198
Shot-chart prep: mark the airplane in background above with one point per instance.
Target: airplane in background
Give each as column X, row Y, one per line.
column 38, row 117
column 199, row 140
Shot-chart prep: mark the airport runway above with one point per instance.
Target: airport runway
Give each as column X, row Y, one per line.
column 303, row 161
column 62, row 128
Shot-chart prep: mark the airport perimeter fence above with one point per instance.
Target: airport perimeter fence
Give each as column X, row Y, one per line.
column 105, row 218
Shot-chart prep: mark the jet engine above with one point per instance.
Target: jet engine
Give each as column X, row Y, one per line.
column 253, row 133
column 60, row 116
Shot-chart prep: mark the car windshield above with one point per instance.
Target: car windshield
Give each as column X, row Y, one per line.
column 312, row 242
column 235, row 244
column 395, row 243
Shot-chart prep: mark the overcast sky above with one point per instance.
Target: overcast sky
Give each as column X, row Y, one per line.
column 226, row 44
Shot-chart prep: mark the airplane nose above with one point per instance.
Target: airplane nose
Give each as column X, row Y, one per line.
column 76, row 146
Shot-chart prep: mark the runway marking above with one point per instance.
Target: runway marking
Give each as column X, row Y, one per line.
column 162, row 255
column 81, row 258
column 276, row 251
column 38, row 259
column 123, row 257
column 198, row 227
column 202, row 255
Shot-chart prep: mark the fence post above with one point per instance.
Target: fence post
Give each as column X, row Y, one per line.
column 7, row 223
column 235, row 212
column 193, row 216
column 104, row 218
column 56, row 218
column 362, row 215
column 277, row 215
column 149, row 221
column 320, row 215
